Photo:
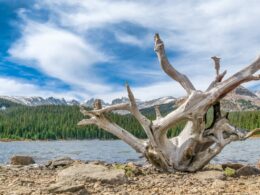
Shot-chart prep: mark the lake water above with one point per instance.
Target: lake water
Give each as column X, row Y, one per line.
column 113, row 151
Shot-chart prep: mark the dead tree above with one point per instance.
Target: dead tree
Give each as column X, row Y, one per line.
column 197, row 144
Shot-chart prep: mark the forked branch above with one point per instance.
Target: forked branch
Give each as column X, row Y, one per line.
column 98, row 117
column 245, row 75
column 157, row 112
column 219, row 77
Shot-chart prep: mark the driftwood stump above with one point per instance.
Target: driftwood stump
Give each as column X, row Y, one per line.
column 197, row 144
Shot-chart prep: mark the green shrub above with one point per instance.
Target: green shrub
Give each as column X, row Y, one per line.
column 229, row 172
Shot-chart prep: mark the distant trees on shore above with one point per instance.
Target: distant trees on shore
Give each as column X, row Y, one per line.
column 60, row 122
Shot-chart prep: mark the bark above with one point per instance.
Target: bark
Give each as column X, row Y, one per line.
column 196, row 145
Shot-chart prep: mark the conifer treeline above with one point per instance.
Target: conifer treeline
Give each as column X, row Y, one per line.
column 60, row 122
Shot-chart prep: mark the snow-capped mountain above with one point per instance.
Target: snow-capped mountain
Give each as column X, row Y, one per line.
column 72, row 102
column 155, row 102
column 89, row 103
column 37, row 101
column 120, row 100
column 141, row 104
column 239, row 99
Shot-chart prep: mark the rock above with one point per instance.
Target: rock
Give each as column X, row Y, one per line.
column 60, row 162
column 96, row 185
column 63, row 188
column 247, row 171
column 82, row 192
column 218, row 184
column 22, row 160
column 207, row 175
column 97, row 162
column 234, row 166
column 83, row 172
column 213, row 167
column 132, row 170
column 222, row 177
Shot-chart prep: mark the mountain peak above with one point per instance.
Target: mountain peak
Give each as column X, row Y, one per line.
column 90, row 103
column 120, row 100
column 141, row 104
column 239, row 99
column 244, row 91
column 38, row 101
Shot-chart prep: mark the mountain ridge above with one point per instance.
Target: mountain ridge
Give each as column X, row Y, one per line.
column 38, row 101
column 238, row 100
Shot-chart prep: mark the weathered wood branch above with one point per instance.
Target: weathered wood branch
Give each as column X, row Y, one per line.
column 244, row 75
column 145, row 122
column 124, row 106
column 157, row 112
column 217, row 64
column 168, row 68
column 251, row 133
column 219, row 77
column 98, row 118
column 217, row 80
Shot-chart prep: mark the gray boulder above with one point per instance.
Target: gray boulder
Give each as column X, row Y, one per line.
column 247, row 171
column 84, row 172
column 234, row 166
column 22, row 160
column 72, row 179
column 60, row 162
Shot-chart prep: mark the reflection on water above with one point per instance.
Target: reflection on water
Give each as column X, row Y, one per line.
column 113, row 151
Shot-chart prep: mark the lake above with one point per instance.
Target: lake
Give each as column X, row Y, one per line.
column 113, row 151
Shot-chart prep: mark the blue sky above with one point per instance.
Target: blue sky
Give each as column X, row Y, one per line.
column 82, row 49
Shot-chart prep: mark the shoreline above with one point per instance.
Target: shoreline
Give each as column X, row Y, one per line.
column 46, row 140
column 31, row 140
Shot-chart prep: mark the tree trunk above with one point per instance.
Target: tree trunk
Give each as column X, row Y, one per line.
column 196, row 145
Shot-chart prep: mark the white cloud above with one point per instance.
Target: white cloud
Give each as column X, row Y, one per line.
column 128, row 39
column 59, row 54
column 15, row 87
column 159, row 89
column 149, row 92
column 196, row 30
column 85, row 15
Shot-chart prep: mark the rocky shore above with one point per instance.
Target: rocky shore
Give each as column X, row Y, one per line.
column 66, row 176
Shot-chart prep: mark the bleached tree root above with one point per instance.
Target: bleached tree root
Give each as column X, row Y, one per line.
column 196, row 145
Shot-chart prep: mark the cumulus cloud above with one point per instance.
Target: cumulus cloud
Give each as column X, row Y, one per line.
column 59, row 54
column 18, row 87
column 128, row 39
column 199, row 29
column 159, row 89
column 195, row 30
